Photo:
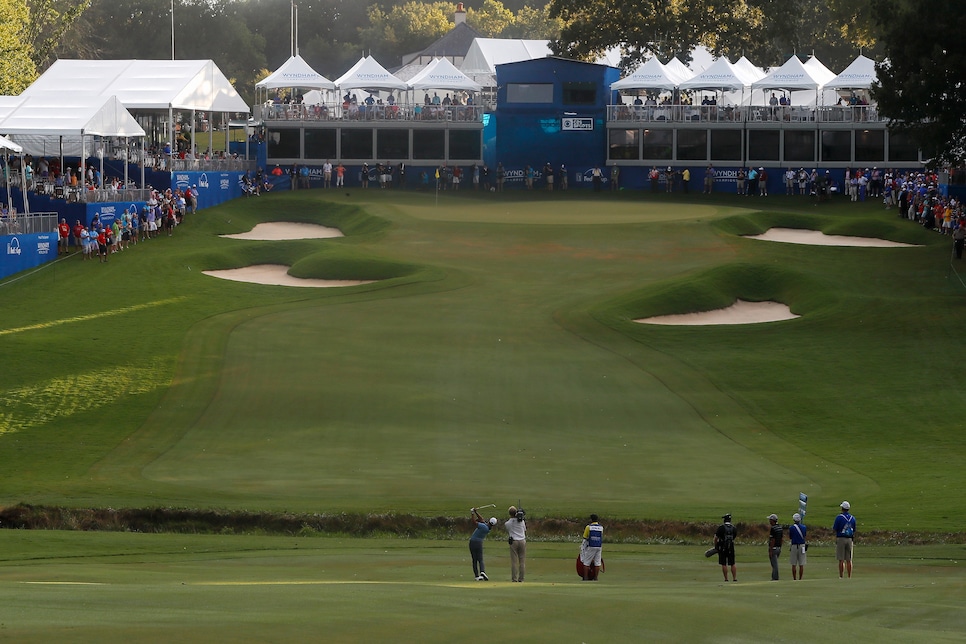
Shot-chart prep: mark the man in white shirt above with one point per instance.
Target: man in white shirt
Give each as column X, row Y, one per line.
column 516, row 529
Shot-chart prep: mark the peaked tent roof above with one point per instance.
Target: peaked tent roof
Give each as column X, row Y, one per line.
column 819, row 70
column 651, row 75
column 370, row 75
column 295, row 72
column 7, row 144
column 143, row 84
column 442, row 74
column 721, row 76
column 860, row 74
column 486, row 53
column 748, row 70
column 69, row 115
column 676, row 69
column 793, row 75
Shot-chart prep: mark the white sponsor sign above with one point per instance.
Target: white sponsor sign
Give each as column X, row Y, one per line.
column 577, row 123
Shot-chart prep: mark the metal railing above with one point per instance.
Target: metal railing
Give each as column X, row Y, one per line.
column 352, row 112
column 37, row 222
column 743, row 114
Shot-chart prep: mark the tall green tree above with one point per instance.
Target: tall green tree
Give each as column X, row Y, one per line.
column 51, row 23
column 405, row 28
column 17, row 69
column 922, row 81
column 492, row 19
column 653, row 27
column 535, row 23
column 835, row 31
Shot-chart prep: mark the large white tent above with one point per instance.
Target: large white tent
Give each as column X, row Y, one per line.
column 144, row 84
column 368, row 74
column 486, row 53
column 69, row 115
column 860, row 74
column 791, row 76
column 295, row 72
column 721, row 76
column 7, row 144
column 442, row 74
column 651, row 75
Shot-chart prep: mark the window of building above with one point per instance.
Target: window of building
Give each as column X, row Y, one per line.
column 357, row 144
column 624, row 144
column 465, row 144
column 320, row 144
column 392, row 144
column 800, row 146
column 837, row 145
column 579, row 93
column 902, row 147
column 284, row 144
column 529, row 93
column 429, row 144
column 726, row 145
column 764, row 145
column 870, row 146
column 692, row 145
column 656, row 144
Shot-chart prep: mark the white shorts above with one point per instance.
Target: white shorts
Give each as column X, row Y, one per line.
column 797, row 554
column 152, row 226
column 590, row 556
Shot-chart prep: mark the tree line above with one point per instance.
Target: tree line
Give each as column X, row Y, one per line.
column 921, row 82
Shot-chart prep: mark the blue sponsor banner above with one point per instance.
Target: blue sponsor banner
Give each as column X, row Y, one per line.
column 214, row 187
column 106, row 213
column 20, row 252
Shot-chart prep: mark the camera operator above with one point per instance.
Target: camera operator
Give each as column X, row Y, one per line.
column 516, row 528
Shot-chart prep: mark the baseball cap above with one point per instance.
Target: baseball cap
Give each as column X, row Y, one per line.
column 773, row 517
column 726, row 517
column 845, row 505
column 796, row 517
column 492, row 520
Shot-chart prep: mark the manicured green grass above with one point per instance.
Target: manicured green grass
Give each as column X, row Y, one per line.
column 495, row 360
column 77, row 587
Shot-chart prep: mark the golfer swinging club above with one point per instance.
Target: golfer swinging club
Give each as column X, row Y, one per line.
column 476, row 544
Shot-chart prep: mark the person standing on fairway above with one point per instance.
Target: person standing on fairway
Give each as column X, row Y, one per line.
column 844, row 528
column 774, row 544
column 724, row 542
column 516, row 528
column 591, row 547
column 476, row 544
column 796, row 534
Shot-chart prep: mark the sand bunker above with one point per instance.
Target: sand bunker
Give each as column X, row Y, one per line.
column 741, row 312
column 277, row 275
column 817, row 238
column 283, row 230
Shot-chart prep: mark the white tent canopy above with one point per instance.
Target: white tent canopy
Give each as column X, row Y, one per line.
column 143, row 84
column 7, row 144
column 860, row 74
column 368, row 74
column 442, row 74
column 791, row 76
column 295, row 72
column 651, row 75
column 720, row 76
column 678, row 70
column 748, row 70
column 69, row 115
column 818, row 69
column 486, row 53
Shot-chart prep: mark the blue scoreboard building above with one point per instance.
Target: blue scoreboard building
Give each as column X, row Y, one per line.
column 550, row 110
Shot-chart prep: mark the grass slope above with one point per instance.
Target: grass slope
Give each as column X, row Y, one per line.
column 495, row 360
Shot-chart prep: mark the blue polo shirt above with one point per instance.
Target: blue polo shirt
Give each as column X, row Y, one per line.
column 482, row 529
column 841, row 521
column 796, row 533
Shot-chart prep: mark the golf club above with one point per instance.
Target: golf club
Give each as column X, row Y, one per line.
column 483, row 507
